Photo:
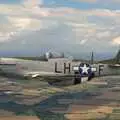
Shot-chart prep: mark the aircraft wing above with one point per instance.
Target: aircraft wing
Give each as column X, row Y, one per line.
column 35, row 74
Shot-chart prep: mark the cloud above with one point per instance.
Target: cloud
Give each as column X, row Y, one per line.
column 89, row 1
column 115, row 1
column 116, row 41
column 25, row 23
column 15, row 25
column 51, row 27
column 98, row 1
column 32, row 3
column 19, row 18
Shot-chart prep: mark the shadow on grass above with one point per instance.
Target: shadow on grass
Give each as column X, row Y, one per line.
column 43, row 110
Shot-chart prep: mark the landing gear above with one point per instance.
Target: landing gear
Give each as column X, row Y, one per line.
column 91, row 76
column 77, row 78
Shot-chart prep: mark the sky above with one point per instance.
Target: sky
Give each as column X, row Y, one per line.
column 32, row 27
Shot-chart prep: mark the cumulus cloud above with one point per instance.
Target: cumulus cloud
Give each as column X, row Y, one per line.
column 20, row 18
column 98, row 1
column 74, row 27
column 89, row 1
column 24, row 23
column 116, row 41
column 32, row 3
column 115, row 1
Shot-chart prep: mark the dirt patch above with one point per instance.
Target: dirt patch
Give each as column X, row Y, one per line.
column 4, row 113
column 78, row 108
column 109, row 95
column 32, row 92
column 97, row 83
column 19, row 118
column 88, row 112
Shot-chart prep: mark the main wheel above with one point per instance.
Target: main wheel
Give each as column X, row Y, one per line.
column 77, row 78
column 90, row 76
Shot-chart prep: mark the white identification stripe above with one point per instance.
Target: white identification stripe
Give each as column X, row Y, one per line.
column 76, row 68
column 94, row 69
column 35, row 75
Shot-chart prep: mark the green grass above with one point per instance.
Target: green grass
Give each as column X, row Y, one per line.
column 50, row 116
column 30, row 112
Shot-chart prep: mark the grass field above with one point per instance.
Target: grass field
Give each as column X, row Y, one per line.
column 98, row 99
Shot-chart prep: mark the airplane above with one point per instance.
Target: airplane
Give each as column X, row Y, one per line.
column 18, row 68
column 81, row 73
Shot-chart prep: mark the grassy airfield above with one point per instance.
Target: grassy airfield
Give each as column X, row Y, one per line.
column 98, row 99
